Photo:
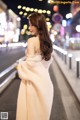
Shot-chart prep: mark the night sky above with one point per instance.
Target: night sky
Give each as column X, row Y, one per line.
column 12, row 4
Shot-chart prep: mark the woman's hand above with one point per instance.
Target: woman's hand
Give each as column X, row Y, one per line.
column 16, row 67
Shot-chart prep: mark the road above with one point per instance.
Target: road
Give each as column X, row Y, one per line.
column 9, row 56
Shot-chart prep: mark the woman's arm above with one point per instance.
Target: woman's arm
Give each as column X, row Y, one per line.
column 30, row 47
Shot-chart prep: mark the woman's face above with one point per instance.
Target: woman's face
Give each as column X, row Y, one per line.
column 33, row 29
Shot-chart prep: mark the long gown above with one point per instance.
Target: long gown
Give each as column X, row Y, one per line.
column 36, row 91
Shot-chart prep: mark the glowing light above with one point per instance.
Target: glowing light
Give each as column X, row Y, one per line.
column 31, row 9
column 69, row 55
column 77, row 59
column 64, row 23
column 78, row 28
column 55, row 8
column 48, row 23
column 44, row 11
column 25, row 26
column 69, row 15
column 48, row 12
column 35, row 10
column 20, row 12
column 39, row 11
column 19, row 7
column 47, row 19
column 18, row 18
column 40, row 0
column 22, row 31
column 27, row 9
column 25, row 14
column 23, row 7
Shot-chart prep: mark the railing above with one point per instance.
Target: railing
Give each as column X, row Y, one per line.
column 10, row 45
column 67, row 58
column 9, row 77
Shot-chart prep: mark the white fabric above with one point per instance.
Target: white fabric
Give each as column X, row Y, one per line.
column 36, row 91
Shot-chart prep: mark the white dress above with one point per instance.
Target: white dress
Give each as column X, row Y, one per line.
column 36, row 91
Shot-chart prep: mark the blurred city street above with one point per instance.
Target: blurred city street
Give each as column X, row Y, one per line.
column 63, row 23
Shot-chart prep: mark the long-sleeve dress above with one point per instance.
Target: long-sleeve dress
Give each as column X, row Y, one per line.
column 36, row 91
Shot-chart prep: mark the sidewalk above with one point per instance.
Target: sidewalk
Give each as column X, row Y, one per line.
column 69, row 74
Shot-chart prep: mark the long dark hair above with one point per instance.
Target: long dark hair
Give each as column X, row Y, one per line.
column 38, row 20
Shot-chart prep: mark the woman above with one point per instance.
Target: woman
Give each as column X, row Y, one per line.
column 35, row 95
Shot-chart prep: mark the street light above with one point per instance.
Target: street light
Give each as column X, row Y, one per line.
column 78, row 28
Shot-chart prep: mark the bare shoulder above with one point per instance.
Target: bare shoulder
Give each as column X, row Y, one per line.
column 30, row 46
column 31, row 40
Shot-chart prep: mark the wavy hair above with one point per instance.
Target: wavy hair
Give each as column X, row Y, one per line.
column 38, row 20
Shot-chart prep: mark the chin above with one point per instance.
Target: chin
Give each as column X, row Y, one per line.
column 33, row 34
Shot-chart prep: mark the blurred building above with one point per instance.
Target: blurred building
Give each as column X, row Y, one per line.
column 3, row 21
column 9, row 24
column 75, row 10
column 13, row 28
